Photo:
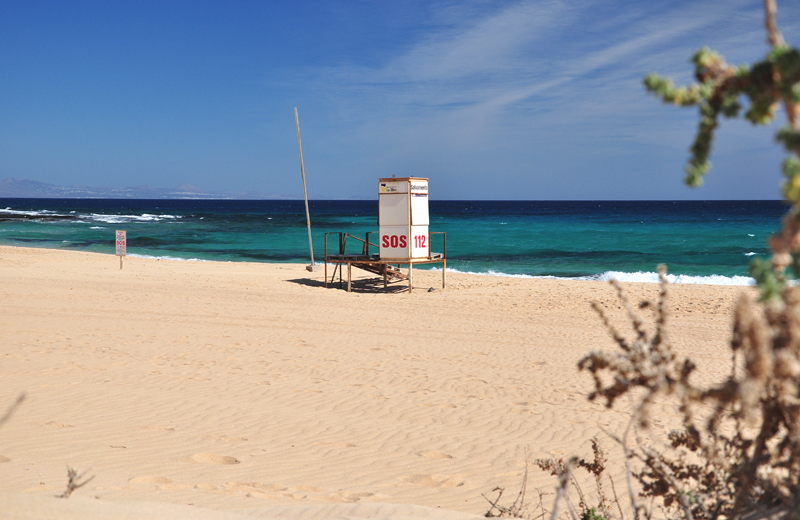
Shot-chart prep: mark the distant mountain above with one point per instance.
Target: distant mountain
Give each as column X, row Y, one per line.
column 27, row 189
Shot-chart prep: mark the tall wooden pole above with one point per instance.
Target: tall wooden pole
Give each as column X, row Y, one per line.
column 305, row 195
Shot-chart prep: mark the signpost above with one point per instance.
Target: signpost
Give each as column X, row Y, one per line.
column 122, row 245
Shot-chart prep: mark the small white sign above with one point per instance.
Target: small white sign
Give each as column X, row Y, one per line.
column 419, row 187
column 395, row 243
column 393, row 187
column 122, row 243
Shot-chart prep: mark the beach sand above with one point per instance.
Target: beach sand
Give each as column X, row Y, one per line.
column 215, row 390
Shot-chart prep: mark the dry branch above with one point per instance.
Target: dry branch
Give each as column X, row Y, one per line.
column 74, row 481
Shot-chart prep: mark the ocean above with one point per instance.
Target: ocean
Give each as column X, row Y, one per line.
column 700, row 241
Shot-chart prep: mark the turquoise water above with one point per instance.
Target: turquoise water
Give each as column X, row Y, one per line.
column 706, row 242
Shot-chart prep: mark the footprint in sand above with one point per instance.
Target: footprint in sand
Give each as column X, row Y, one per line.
column 54, row 424
column 212, row 458
column 435, row 455
column 259, row 486
column 226, row 438
column 342, row 444
column 346, row 496
column 174, row 486
column 40, row 488
column 433, row 480
column 258, row 489
column 150, row 480
column 4, row 459
column 311, row 489
column 243, row 489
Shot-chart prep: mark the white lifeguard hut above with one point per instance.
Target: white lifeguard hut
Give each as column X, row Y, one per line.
column 403, row 219
column 403, row 235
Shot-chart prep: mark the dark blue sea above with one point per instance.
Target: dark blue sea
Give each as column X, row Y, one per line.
column 701, row 242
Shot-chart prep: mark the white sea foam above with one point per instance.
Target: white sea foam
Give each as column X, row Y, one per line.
column 42, row 213
column 121, row 219
column 713, row 279
column 639, row 277
column 95, row 217
column 750, row 254
column 490, row 272
column 151, row 257
column 162, row 216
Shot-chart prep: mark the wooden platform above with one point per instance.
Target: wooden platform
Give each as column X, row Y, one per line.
column 389, row 269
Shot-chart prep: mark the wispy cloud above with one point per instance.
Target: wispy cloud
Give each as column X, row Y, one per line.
column 488, row 81
column 500, row 58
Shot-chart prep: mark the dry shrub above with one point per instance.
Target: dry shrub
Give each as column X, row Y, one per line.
column 596, row 468
column 564, row 471
column 743, row 455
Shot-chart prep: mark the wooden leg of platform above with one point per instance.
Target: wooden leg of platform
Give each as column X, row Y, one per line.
column 326, row 272
column 410, row 283
column 385, row 275
column 349, row 273
column 340, row 276
column 444, row 274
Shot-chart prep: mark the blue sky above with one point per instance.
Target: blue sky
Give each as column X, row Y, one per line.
column 490, row 100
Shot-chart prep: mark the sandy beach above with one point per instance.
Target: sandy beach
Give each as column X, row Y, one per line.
column 250, row 389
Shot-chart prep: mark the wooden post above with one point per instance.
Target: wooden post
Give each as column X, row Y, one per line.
column 349, row 275
column 305, row 195
column 410, row 282
column 444, row 273
column 120, row 263
column 385, row 274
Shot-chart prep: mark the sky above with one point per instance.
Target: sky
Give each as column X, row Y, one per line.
column 518, row 100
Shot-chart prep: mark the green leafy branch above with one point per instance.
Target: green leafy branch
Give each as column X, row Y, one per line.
column 718, row 91
column 766, row 85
